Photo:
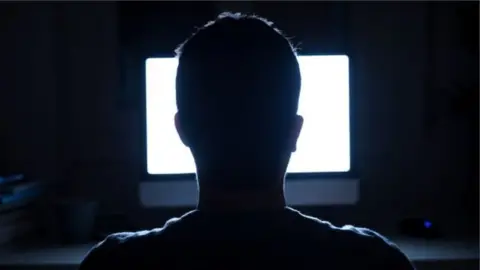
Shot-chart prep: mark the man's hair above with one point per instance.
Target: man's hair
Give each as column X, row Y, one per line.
column 238, row 84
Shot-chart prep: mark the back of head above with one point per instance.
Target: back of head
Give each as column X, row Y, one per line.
column 238, row 84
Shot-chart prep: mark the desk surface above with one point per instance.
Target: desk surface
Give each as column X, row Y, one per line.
column 417, row 250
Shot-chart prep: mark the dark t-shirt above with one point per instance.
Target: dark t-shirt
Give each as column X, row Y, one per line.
column 285, row 239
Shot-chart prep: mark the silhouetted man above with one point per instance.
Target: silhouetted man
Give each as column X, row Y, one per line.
column 238, row 84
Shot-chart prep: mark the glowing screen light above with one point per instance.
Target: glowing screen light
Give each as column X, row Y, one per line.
column 323, row 145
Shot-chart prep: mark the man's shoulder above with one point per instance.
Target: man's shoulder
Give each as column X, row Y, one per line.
column 359, row 242
column 386, row 253
column 126, row 247
column 345, row 244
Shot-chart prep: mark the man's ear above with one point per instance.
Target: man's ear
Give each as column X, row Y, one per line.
column 296, row 129
column 180, row 130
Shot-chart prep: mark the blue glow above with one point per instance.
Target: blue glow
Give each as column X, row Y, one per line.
column 427, row 224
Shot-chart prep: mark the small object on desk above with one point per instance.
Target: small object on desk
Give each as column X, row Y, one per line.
column 419, row 228
column 16, row 200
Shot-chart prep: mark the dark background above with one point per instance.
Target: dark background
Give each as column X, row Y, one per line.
column 67, row 118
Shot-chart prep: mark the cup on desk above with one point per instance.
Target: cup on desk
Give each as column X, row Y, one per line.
column 76, row 220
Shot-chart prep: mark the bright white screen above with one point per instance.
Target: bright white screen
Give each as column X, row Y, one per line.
column 323, row 145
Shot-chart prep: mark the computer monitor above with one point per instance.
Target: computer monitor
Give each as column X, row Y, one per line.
column 323, row 145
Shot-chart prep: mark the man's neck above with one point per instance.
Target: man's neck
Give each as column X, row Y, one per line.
column 211, row 199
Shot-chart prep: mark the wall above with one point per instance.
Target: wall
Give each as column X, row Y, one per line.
column 63, row 123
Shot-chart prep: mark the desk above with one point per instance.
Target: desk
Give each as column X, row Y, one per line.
column 426, row 254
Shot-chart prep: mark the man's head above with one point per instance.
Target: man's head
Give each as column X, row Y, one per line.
column 238, row 84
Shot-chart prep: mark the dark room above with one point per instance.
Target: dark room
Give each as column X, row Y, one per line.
column 224, row 134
